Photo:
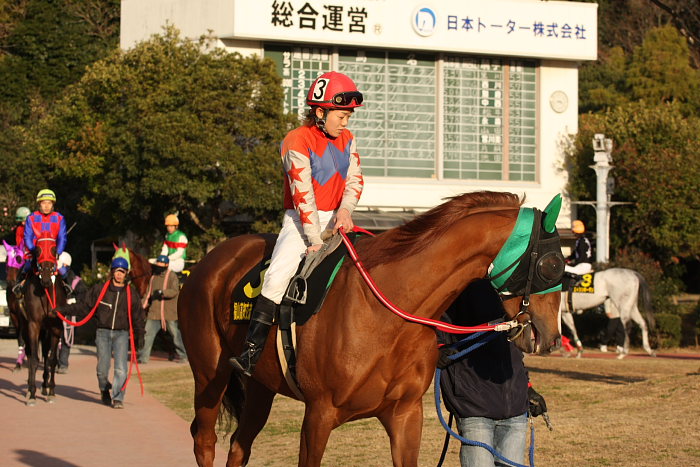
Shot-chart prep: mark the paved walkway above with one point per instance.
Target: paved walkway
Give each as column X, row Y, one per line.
column 77, row 430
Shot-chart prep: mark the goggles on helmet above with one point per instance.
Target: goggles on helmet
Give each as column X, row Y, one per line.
column 344, row 99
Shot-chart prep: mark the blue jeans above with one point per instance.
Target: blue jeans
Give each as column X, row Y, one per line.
column 108, row 343
column 508, row 437
column 152, row 328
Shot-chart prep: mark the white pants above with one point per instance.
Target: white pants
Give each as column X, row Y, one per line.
column 289, row 250
column 176, row 265
column 580, row 268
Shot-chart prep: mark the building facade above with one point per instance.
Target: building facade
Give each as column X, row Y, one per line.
column 460, row 95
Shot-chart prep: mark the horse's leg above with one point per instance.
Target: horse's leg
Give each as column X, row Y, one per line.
column 256, row 409
column 568, row 319
column 319, row 421
column 53, row 363
column 33, row 353
column 45, row 357
column 637, row 317
column 209, row 391
column 403, row 423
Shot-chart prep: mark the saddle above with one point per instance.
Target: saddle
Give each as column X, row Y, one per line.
column 304, row 298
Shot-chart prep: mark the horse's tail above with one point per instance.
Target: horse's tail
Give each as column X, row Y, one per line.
column 232, row 403
column 644, row 301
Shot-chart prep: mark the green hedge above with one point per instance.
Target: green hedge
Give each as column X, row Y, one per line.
column 668, row 330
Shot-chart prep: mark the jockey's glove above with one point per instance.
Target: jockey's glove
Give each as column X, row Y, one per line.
column 536, row 403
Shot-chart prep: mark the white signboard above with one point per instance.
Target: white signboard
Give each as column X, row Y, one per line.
column 557, row 30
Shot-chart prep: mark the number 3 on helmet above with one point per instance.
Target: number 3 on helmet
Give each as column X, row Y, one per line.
column 334, row 90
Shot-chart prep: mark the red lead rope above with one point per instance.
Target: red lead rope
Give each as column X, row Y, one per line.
column 440, row 325
column 134, row 360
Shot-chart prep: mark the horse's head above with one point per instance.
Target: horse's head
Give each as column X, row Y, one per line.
column 527, row 272
column 15, row 258
column 46, row 261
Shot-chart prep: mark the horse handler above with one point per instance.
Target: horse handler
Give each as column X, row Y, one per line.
column 112, row 301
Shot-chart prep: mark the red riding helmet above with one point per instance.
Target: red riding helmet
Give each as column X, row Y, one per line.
column 334, row 90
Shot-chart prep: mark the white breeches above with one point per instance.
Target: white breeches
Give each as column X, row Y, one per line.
column 289, row 250
column 176, row 265
column 580, row 268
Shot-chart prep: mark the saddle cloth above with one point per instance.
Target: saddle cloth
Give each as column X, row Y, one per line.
column 319, row 282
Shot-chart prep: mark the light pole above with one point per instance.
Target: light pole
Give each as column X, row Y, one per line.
column 602, row 157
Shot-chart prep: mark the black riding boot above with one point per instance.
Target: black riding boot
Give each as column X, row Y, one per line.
column 260, row 322
column 18, row 288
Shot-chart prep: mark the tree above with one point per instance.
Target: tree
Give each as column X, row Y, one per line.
column 165, row 127
column 656, row 168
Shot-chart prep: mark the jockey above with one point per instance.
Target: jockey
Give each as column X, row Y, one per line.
column 321, row 189
column 579, row 262
column 175, row 245
column 42, row 223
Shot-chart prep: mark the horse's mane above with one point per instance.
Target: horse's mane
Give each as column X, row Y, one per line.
column 416, row 235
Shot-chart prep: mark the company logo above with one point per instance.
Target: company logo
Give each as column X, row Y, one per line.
column 424, row 21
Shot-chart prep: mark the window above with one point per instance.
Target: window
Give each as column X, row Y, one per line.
column 477, row 122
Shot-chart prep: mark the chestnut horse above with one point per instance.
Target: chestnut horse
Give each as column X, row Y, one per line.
column 355, row 359
column 44, row 292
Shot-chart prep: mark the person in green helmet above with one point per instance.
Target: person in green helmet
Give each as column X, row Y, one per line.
column 21, row 218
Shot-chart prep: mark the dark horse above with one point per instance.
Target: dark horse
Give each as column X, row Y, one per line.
column 44, row 292
column 355, row 359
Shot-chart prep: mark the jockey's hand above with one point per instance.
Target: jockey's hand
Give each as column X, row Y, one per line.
column 536, row 403
column 53, row 314
column 313, row 248
column 343, row 219
column 443, row 360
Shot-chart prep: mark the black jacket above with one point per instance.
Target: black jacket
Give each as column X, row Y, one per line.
column 112, row 312
column 583, row 251
column 491, row 381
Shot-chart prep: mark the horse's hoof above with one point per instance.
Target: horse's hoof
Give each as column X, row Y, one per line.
column 579, row 354
column 16, row 368
column 44, row 392
column 31, row 402
column 652, row 354
column 51, row 399
column 621, row 356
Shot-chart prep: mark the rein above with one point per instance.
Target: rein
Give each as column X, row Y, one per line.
column 440, row 325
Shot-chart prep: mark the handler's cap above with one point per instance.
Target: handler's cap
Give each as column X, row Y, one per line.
column 162, row 259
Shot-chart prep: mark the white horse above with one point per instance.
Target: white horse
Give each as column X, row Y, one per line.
column 623, row 288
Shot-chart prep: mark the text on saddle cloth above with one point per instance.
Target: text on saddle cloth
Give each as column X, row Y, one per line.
column 314, row 278
column 579, row 284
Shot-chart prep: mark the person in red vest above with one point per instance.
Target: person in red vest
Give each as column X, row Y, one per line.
column 322, row 187
column 42, row 223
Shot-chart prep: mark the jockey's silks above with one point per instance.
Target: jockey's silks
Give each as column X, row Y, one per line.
column 174, row 241
column 51, row 225
column 323, row 174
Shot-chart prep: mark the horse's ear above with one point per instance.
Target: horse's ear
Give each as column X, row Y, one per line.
column 7, row 246
column 115, row 246
column 550, row 214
